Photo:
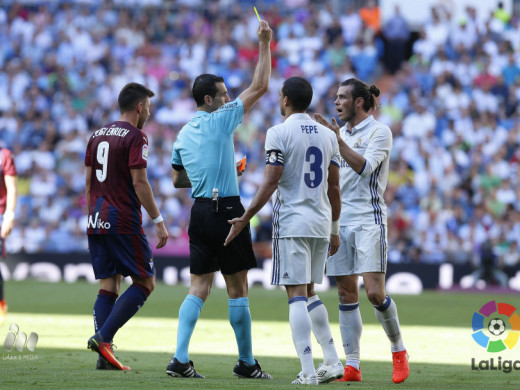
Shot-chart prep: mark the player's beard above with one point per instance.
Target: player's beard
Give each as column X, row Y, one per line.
column 140, row 123
column 282, row 111
column 349, row 114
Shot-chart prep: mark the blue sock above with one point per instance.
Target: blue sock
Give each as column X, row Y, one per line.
column 240, row 319
column 102, row 307
column 188, row 315
column 385, row 305
column 125, row 307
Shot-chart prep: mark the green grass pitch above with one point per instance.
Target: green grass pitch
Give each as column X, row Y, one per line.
column 436, row 329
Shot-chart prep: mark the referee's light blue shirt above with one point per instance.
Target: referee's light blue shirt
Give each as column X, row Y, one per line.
column 205, row 148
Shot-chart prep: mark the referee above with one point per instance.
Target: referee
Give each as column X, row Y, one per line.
column 204, row 159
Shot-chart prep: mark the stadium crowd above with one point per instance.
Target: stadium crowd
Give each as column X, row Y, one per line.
column 451, row 99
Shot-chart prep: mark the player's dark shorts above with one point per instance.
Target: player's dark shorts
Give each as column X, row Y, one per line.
column 208, row 231
column 125, row 254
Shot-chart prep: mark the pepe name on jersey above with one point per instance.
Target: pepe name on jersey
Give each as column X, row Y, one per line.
column 309, row 129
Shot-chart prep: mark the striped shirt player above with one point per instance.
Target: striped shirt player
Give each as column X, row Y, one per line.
column 8, row 197
column 116, row 186
column 7, row 168
column 301, row 208
column 114, row 206
column 362, row 200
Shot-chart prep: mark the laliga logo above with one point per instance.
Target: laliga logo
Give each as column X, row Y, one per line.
column 490, row 319
column 487, row 317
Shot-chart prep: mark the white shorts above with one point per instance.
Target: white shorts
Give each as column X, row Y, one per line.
column 298, row 260
column 363, row 248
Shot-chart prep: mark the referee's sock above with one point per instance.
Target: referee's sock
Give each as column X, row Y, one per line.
column 300, row 323
column 350, row 326
column 125, row 307
column 188, row 316
column 102, row 307
column 321, row 329
column 386, row 313
column 240, row 319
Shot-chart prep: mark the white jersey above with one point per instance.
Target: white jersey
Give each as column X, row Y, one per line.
column 305, row 149
column 362, row 201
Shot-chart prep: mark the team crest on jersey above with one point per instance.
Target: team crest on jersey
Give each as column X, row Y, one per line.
column 358, row 143
column 145, row 152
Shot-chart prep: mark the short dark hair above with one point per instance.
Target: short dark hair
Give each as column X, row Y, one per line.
column 205, row 84
column 131, row 95
column 299, row 92
column 361, row 89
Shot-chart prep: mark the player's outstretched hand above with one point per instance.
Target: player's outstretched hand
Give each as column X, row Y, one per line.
column 333, row 126
column 264, row 32
column 237, row 224
column 334, row 244
column 162, row 234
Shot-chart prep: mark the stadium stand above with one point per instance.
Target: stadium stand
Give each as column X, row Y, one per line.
column 451, row 101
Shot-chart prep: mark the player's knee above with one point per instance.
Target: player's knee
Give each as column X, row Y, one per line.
column 375, row 297
column 237, row 292
column 346, row 296
column 148, row 283
column 201, row 292
column 151, row 285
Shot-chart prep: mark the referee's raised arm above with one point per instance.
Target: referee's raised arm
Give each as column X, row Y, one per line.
column 260, row 84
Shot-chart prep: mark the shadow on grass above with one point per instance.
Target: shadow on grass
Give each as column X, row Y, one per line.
column 431, row 308
column 68, row 369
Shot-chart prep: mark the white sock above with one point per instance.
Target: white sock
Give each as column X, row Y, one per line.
column 321, row 329
column 351, row 326
column 300, row 323
column 386, row 313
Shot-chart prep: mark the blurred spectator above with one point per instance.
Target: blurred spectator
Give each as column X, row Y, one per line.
column 488, row 266
column 452, row 107
column 396, row 34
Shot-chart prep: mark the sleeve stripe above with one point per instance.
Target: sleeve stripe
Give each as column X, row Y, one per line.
column 335, row 163
column 362, row 168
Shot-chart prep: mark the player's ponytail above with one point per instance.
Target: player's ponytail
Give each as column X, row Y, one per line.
column 361, row 89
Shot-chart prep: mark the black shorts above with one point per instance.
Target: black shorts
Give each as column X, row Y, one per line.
column 208, row 231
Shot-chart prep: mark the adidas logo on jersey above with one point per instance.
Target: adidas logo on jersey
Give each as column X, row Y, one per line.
column 307, row 350
column 331, row 341
column 285, row 276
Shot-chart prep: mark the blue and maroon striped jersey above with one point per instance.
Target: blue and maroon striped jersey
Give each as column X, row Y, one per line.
column 112, row 152
column 7, row 168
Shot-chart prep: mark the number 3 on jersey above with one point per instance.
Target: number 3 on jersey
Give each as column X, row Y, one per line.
column 102, row 159
column 315, row 176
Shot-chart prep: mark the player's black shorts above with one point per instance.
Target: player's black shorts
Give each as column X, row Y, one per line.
column 208, row 231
